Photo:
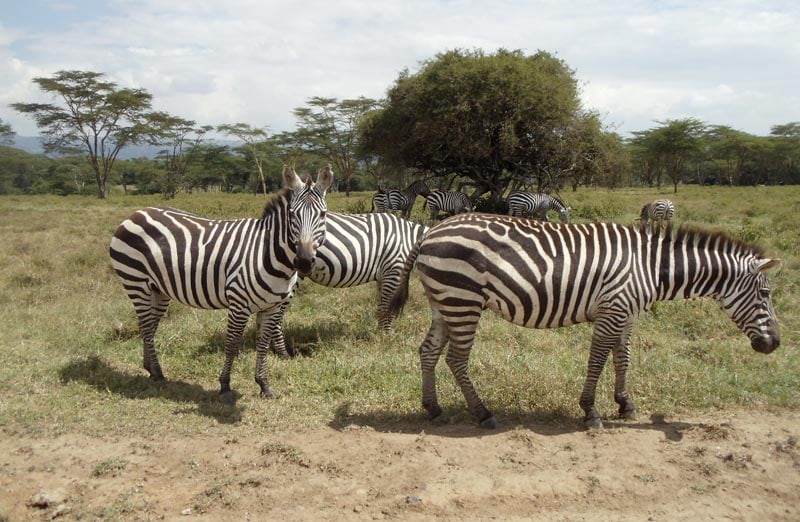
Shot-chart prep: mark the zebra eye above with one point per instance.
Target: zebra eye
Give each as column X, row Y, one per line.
column 764, row 293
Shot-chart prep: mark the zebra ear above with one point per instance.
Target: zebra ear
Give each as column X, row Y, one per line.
column 324, row 178
column 290, row 178
column 764, row 264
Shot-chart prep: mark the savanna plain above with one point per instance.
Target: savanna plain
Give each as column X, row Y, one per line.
column 86, row 435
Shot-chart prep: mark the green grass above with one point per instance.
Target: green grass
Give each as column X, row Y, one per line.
column 71, row 356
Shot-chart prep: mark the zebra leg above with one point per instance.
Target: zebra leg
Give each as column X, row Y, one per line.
column 272, row 321
column 237, row 319
column 275, row 335
column 622, row 358
column 429, row 352
column 149, row 312
column 462, row 337
column 604, row 339
column 385, row 291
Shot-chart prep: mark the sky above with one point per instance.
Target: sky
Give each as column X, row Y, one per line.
column 734, row 63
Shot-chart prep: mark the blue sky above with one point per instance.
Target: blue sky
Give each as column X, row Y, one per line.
column 731, row 63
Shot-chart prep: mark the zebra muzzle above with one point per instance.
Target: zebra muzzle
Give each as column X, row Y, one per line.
column 304, row 260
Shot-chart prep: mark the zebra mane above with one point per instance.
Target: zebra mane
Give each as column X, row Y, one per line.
column 277, row 200
column 691, row 233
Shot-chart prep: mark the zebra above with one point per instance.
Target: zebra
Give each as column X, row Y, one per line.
column 451, row 202
column 359, row 249
column 244, row 265
column 657, row 212
column 521, row 203
column 547, row 275
column 402, row 200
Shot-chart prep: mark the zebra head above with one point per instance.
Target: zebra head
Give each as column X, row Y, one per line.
column 749, row 303
column 306, row 215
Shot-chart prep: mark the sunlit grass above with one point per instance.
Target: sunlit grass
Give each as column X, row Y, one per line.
column 72, row 359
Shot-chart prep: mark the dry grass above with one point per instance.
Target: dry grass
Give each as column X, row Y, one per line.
column 71, row 356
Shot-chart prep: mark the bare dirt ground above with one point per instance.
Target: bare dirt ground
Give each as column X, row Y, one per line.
column 731, row 466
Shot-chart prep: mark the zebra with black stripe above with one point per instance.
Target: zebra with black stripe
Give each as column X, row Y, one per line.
column 522, row 203
column 244, row 265
column 360, row 249
column 449, row 202
column 403, row 200
column 657, row 212
column 546, row 275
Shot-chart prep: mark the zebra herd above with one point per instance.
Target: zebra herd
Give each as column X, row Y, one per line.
column 532, row 273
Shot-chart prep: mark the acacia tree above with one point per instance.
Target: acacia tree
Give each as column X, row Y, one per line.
column 787, row 146
column 255, row 144
column 93, row 116
column 330, row 128
column 490, row 119
column 669, row 147
column 181, row 137
column 6, row 133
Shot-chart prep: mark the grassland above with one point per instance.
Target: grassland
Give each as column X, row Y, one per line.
column 71, row 357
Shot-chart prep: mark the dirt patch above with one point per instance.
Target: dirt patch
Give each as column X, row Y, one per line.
column 739, row 466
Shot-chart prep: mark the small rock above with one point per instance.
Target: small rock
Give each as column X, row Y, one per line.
column 187, row 511
column 413, row 501
column 44, row 499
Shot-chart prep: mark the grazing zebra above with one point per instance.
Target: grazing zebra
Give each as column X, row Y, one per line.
column 402, row 200
column 360, row 249
column 545, row 275
column 521, row 203
column 657, row 212
column 450, row 202
column 244, row 265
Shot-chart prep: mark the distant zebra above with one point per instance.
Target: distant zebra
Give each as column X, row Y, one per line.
column 450, row 202
column 360, row 249
column 521, row 203
column 403, row 200
column 657, row 212
column 542, row 275
column 244, row 265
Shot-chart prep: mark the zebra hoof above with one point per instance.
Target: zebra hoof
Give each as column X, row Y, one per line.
column 490, row 423
column 593, row 424
column 227, row 398
column 628, row 414
column 156, row 376
column 268, row 394
column 441, row 419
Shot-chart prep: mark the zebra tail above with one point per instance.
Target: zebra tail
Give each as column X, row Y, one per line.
column 400, row 296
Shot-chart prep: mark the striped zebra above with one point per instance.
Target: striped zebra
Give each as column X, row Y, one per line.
column 546, row 275
column 360, row 249
column 521, row 203
column 657, row 212
column 403, row 200
column 450, row 202
column 244, row 265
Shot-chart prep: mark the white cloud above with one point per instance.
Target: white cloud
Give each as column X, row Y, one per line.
column 254, row 61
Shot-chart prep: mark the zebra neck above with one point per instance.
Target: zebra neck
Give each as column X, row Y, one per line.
column 688, row 266
column 278, row 253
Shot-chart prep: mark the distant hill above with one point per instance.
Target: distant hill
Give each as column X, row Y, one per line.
column 33, row 145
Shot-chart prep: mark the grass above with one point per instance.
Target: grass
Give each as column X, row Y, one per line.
column 71, row 356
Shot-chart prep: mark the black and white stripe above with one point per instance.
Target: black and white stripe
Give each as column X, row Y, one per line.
column 244, row 265
column 545, row 275
column 403, row 200
column 657, row 212
column 537, row 204
column 448, row 202
column 360, row 249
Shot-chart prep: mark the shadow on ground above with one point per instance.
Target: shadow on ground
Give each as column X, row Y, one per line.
column 463, row 425
column 98, row 374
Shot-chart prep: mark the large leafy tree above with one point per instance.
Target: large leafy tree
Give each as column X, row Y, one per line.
column 180, row 137
column 671, row 146
column 488, row 118
column 91, row 116
column 330, row 129
column 786, row 138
